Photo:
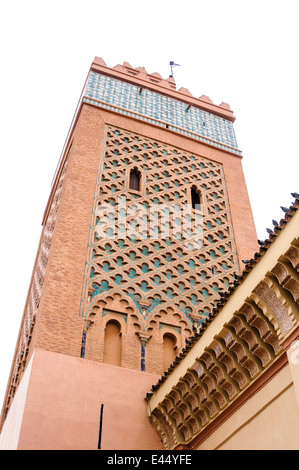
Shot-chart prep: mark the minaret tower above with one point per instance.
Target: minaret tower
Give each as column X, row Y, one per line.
column 147, row 221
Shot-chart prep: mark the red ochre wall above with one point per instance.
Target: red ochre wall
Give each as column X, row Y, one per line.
column 61, row 407
column 59, row 328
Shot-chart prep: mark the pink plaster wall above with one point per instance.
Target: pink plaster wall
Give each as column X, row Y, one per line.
column 62, row 409
column 10, row 433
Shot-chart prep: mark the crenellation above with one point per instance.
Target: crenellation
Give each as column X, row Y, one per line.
column 145, row 228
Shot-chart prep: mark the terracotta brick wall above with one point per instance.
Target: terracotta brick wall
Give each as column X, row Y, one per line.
column 59, row 325
column 58, row 309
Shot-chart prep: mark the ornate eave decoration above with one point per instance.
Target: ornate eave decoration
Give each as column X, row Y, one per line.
column 239, row 347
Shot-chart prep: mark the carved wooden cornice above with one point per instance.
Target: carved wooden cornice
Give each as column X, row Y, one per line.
column 239, row 346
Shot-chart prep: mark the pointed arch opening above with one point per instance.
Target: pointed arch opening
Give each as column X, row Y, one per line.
column 112, row 343
column 169, row 349
column 196, row 199
column 135, row 179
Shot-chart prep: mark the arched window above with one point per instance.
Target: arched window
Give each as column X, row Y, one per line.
column 135, row 179
column 169, row 345
column 195, row 198
column 112, row 343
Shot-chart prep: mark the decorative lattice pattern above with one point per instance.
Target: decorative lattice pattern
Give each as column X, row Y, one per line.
column 35, row 291
column 244, row 348
column 158, row 271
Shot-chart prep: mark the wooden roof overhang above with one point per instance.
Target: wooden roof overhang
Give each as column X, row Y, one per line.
column 239, row 348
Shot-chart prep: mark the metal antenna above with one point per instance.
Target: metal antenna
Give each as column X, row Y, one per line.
column 172, row 64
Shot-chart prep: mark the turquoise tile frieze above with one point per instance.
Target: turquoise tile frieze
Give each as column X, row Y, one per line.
column 124, row 98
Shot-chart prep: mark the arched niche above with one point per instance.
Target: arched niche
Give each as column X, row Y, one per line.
column 112, row 343
column 169, row 349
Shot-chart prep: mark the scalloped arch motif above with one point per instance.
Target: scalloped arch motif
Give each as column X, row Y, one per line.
column 158, row 272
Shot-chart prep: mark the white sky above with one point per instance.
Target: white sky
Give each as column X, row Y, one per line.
column 238, row 51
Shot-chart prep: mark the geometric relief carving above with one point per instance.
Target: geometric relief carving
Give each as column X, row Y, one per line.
column 164, row 429
column 152, row 270
column 244, row 348
column 255, row 318
column 293, row 256
column 273, row 308
column 284, row 277
column 238, row 354
column 34, row 295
